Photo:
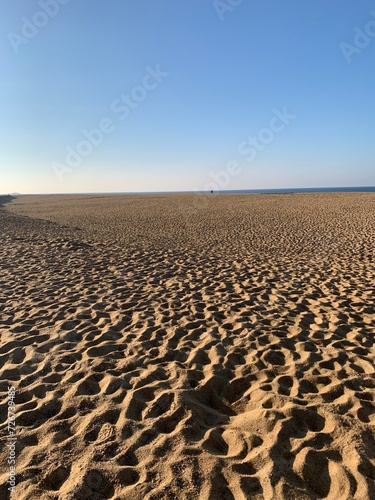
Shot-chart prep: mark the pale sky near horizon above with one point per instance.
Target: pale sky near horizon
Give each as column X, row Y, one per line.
column 159, row 95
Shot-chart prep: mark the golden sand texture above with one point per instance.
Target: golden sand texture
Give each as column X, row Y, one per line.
column 186, row 347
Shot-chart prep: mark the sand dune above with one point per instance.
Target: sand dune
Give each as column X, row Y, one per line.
column 166, row 347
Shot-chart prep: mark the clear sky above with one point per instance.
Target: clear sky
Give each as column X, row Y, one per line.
column 159, row 95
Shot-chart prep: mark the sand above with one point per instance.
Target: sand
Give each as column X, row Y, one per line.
column 186, row 347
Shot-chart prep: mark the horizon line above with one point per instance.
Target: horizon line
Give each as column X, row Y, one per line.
column 249, row 190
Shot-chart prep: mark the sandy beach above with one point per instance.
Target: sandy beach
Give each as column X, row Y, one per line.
column 188, row 347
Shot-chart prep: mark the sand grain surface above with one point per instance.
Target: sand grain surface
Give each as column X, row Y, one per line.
column 172, row 346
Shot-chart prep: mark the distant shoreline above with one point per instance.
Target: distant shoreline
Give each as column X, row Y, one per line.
column 355, row 189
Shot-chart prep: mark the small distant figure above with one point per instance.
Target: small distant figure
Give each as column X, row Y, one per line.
column 211, row 191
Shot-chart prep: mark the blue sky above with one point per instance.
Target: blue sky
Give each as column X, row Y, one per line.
column 168, row 90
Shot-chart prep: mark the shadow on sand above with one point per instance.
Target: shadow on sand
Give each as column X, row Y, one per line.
column 4, row 199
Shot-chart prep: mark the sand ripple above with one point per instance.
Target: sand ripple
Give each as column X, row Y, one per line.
column 190, row 365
